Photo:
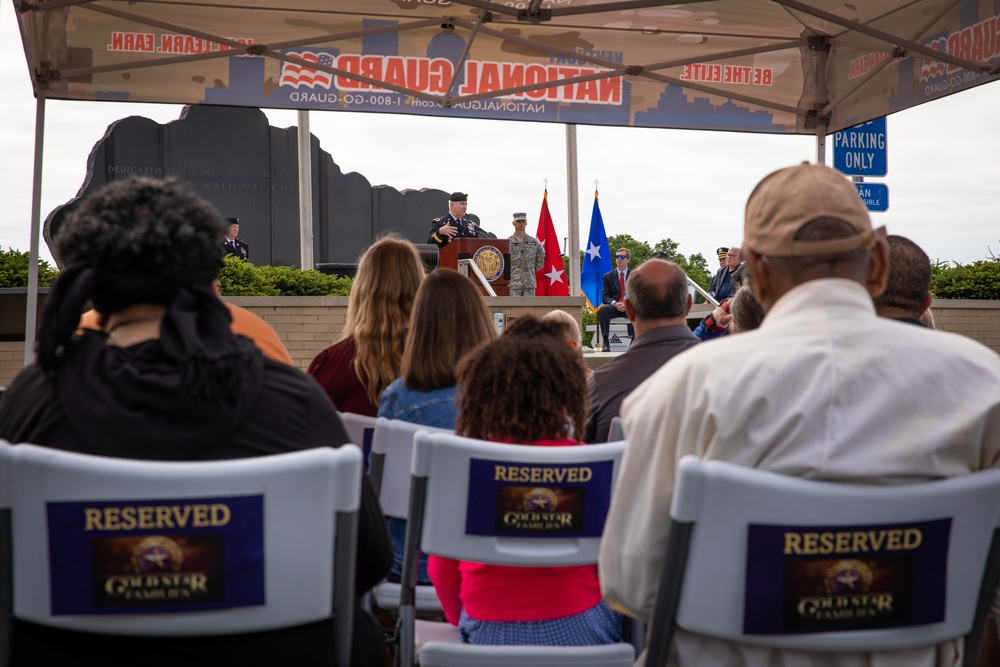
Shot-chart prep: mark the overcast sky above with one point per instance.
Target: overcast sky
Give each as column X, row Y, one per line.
column 943, row 178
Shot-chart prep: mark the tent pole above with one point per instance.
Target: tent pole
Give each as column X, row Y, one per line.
column 36, row 208
column 572, row 190
column 822, row 121
column 306, row 256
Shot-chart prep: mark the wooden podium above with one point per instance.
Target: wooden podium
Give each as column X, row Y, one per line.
column 492, row 256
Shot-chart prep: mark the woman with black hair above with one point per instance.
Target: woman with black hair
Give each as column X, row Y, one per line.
column 166, row 379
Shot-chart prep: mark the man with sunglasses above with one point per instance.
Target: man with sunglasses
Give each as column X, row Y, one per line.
column 613, row 296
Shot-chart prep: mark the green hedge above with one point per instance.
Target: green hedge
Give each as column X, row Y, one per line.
column 239, row 278
column 979, row 280
column 14, row 270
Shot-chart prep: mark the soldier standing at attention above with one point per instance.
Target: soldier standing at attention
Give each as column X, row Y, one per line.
column 454, row 224
column 233, row 245
column 526, row 257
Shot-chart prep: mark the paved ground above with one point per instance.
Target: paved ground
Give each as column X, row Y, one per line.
column 597, row 359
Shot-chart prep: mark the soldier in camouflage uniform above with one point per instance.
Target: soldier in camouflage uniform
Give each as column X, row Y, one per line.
column 526, row 256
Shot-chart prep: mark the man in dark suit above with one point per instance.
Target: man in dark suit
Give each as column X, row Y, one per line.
column 233, row 244
column 657, row 303
column 723, row 271
column 613, row 295
column 726, row 287
column 456, row 224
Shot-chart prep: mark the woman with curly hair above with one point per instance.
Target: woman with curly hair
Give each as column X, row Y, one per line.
column 526, row 387
column 354, row 371
column 166, row 379
column 447, row 302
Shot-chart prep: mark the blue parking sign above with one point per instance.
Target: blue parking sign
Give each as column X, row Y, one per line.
column 861, row 150
column 874, row 195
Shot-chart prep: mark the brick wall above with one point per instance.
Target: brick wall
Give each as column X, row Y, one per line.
column 979, row 320
column 11, row 360
column 307, row 325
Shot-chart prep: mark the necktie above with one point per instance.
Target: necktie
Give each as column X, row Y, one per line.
column 621, row 285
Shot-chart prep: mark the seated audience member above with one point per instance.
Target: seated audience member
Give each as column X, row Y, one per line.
column 746, row 311
column 354, row 371
column 824, row 389
column 723, row 271
column 741, row 313
column 657, row 303
column 446, row 302
column 167, row 380
column 716, row 323
column 614, row 289
column 723, row 283
column 245, row 323
column 907, row 294
column 528, row 387
column 571, row 329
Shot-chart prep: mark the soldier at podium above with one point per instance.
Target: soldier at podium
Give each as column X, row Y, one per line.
column 455, row 224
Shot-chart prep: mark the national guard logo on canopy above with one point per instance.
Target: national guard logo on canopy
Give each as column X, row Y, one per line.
column 837, row 578
column 156, row 556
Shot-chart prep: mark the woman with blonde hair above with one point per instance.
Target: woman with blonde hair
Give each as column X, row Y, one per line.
column 447, row 303
column 355, row 370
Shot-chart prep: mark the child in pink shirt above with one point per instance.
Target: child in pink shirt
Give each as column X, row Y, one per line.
column 528, row 386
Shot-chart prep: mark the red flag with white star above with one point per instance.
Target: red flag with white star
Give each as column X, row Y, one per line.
column 551, row 279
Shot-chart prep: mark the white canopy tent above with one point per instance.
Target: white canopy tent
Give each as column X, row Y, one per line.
column 772, row 66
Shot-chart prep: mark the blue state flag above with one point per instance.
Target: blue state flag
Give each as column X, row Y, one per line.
column 596, row 260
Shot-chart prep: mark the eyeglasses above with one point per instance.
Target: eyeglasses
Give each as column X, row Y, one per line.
column 621, row 256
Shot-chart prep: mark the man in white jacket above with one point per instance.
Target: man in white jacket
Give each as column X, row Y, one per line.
column 824, row 389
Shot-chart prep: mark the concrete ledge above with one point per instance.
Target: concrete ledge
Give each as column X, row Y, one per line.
column 309, row 324
column 972, row 304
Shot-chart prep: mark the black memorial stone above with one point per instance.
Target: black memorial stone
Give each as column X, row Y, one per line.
column 249, row 170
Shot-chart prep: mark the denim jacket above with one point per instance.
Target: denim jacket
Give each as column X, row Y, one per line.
column 430, row 408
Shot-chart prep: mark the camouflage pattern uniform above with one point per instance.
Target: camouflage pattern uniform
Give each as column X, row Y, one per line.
column 526, row 256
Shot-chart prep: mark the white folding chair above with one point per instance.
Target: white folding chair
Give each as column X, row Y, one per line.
column 761, row 558
column 617, row 429
column 392, row 451
column 99, row 545
column 452, row 474
column 360, row 429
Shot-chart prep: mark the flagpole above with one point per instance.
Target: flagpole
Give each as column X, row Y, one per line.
column 306, row 256
column 31, row 314
column 573, row 248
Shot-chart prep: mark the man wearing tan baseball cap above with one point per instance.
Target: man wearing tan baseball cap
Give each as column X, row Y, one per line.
column 824, row 389
column 805, row 223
